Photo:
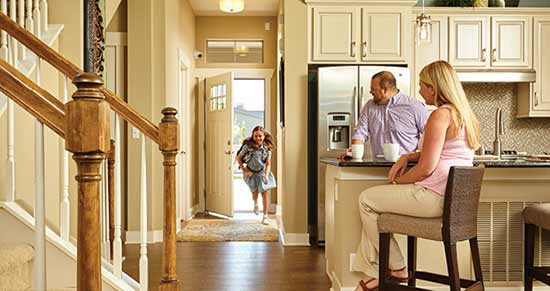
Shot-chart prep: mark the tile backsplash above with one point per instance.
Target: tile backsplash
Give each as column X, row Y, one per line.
column 531, row 135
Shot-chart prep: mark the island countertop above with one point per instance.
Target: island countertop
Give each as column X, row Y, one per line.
column 527, row 163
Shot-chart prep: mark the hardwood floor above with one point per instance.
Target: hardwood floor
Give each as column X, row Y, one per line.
column 232, row 266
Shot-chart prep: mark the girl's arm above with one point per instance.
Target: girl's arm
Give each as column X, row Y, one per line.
column 243, row 168
column 268, row 166
column 434, row 138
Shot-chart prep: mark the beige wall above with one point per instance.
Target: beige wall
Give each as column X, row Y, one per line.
column 119, row 22
column 156, row 29
column 294, row 187
column 237, row 27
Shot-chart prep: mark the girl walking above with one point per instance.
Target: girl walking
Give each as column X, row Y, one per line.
column 256, row 154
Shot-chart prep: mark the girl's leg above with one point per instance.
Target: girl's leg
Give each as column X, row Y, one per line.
column 264, row 202
column 255, row 198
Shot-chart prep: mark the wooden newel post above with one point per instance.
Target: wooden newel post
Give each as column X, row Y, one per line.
column 87, row 137
column 169, row 145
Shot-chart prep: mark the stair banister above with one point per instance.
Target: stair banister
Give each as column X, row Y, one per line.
column 143, row 260
column 29, row 22
column 111, row 195
column 117, row 242
column 37, row 29
column 43, row 15
column 21, row 21
column 87, row 121
column 13, row 43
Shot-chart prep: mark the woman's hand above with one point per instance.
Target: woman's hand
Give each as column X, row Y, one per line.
column 398, row 168
column 266, row 180
column 246, row 172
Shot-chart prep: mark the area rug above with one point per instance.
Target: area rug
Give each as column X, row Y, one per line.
column 228, row 230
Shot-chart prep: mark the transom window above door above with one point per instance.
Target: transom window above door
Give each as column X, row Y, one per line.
column 235, row 51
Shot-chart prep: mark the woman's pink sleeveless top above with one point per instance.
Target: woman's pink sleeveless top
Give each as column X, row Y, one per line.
column 456, row 152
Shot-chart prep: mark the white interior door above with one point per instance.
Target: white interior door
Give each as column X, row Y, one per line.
column 184, row 204
column 219, row 131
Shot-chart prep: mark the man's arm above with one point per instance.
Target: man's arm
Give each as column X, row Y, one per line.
column 361, row 131
column 421, row 117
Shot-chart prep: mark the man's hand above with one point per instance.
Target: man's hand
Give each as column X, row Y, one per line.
column 347, row 153
column 398, row 169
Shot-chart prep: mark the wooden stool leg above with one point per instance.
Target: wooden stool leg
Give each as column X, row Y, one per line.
column 476, row 260
column 411, row 260
column 452, row 266
column 529, row 252
column 384, row 261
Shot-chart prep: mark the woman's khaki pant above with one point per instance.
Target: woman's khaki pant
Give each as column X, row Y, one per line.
column 406, row 199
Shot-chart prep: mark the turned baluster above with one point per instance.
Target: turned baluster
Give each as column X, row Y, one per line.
column 111, row 182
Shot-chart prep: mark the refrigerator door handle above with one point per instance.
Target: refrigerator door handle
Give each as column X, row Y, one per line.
column 356, row 113
column 361, row 95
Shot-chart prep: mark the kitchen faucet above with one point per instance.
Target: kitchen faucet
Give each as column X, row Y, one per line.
column 499, row 130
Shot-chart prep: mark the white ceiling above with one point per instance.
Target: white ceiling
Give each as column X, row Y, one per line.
column 251, row 8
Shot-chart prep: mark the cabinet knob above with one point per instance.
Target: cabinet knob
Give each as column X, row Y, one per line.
column 364, row 49
column 353, row 45
column 494, row 55
column 484, row 55
column 536, row 98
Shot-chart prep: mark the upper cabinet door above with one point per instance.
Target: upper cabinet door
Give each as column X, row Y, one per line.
column 511, row 41
column 541, row 94
column 384, row 34
column 335, row 34
column 468, row 45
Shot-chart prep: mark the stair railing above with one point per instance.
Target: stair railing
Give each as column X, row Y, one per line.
column 85, row 120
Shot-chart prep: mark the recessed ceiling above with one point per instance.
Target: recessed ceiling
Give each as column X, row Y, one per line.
column 251, row 8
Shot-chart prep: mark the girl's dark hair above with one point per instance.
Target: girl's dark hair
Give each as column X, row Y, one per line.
column 268, row 139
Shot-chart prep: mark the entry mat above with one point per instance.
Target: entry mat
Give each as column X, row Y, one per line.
column 228, row 230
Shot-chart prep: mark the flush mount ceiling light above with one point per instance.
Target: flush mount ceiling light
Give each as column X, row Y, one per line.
column 232, row 6
column 423, row 26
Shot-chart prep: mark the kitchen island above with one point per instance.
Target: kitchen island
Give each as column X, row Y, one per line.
column 507, row 187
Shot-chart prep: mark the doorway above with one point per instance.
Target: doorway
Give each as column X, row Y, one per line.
column 248, row 112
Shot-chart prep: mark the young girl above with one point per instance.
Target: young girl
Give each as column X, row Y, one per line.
column 256, row 154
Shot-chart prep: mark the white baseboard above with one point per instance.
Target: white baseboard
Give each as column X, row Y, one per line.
column 153, row 236
column 292, row 239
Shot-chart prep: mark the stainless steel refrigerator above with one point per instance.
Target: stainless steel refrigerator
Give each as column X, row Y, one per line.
column 342, row 93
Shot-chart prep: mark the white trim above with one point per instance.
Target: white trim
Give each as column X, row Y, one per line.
column 185, row 193
column 192, row 211
column 116, row 39
column 153, row 236
column 292, row 239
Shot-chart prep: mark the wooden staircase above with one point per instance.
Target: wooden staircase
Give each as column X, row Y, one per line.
column 84, row 124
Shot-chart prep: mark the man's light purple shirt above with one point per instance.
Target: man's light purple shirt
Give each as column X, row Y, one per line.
column 401, row 121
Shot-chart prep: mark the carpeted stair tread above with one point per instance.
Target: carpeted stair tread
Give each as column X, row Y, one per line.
column 13, row 283
column 14, row 255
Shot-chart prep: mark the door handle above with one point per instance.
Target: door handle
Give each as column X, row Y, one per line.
column 227, row 152
column 536, row 99
column 364, row 49
column 494, row 55
column 356, row 113
column 484, row 55
column 353, row 43
column 360, row 105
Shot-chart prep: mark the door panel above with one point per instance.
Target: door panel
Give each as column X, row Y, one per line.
column 219, row 131
column 468, row 41
column 541, row 93
column 511, row 39
column 335, row 31
column 383, row 34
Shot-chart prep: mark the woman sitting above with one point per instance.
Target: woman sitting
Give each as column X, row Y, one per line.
column 450, row 137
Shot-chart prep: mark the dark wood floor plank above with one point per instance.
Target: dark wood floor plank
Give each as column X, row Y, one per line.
column 255, row 266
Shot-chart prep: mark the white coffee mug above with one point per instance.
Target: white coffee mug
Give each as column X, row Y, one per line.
column 357, row 151
column 391, row 152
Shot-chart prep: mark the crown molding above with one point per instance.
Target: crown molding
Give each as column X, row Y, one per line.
column 364, row 2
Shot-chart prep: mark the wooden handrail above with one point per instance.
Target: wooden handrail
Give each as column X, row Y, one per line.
column 37, row 101
column 70, row 70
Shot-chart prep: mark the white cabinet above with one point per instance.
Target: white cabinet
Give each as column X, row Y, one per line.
column 335, row 33
column 468, row 41
column 427, row 52
column 510, row 41
column 384, row 34
column 490, row 42
column 359, row 34
column 534, row 98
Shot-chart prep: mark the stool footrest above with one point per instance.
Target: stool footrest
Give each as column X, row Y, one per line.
column 395, row 287
column 541, row 274
column 478, row 286
column 427, row 276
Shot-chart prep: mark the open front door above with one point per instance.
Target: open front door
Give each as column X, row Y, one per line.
column 219, row 132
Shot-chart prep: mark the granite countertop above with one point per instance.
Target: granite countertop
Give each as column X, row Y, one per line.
column 529, row 163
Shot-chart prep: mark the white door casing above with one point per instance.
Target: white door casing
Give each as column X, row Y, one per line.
column 184, row 196
column 219, row 133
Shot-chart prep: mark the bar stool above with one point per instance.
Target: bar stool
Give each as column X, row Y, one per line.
column 459, row 223
column 537, row 215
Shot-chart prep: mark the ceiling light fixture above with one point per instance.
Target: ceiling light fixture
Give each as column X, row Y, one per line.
column 423, row 26
column 232, row 6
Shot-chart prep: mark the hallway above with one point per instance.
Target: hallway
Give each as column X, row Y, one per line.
column 239, row 266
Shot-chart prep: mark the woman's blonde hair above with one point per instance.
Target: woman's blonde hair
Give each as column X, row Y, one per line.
column 448, row 90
